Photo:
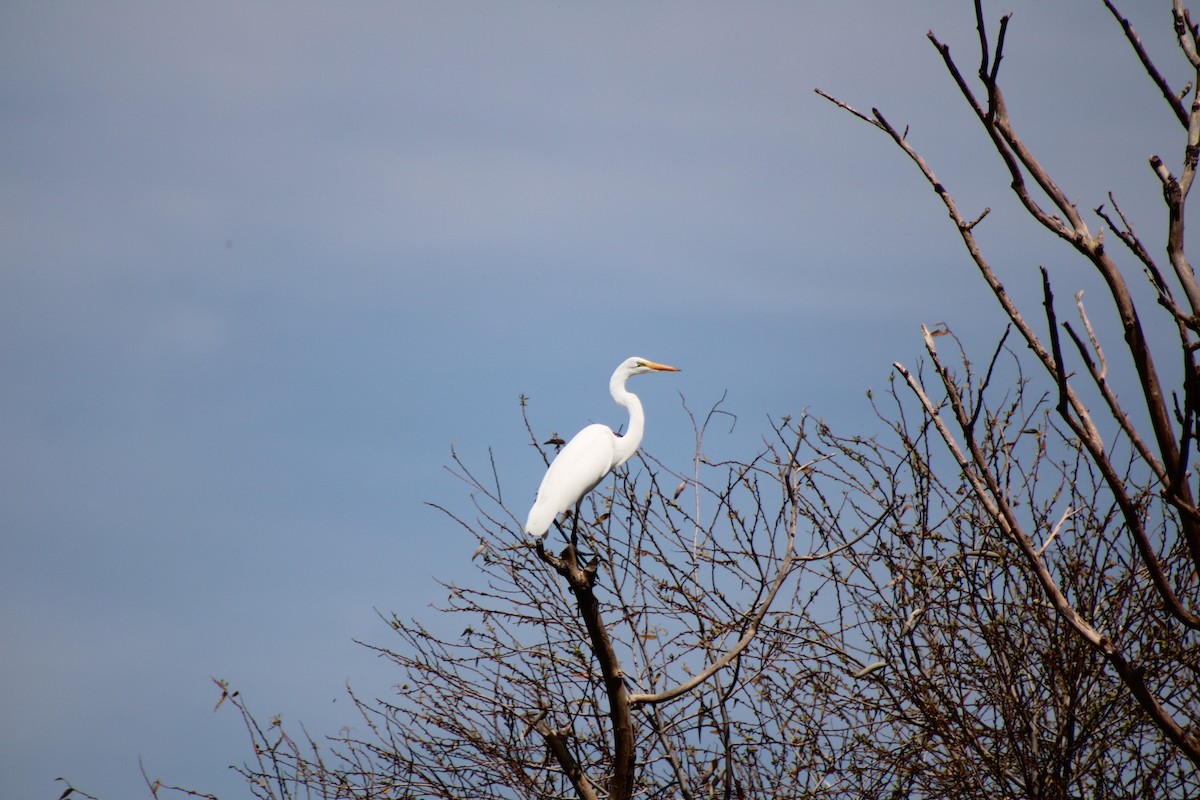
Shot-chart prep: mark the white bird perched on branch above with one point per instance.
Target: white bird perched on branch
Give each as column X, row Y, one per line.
column 593, row 453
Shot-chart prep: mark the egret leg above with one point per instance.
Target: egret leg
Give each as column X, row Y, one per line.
column 575, row 526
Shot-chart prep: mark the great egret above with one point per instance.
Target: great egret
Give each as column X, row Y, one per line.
column 593, row 452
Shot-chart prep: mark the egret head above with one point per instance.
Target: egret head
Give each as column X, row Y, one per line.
column 639, row 366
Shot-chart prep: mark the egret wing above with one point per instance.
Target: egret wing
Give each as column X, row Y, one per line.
column 579, row 466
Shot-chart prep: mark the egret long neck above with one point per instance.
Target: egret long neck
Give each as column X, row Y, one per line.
column 627, row 444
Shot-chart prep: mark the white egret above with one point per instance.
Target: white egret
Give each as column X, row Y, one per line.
column 593, row 452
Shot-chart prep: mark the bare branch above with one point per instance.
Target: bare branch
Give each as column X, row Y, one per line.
column 581, row 579
column 1136, row 41
column 1185, row 32
column 847, row 107
column 1070, row 512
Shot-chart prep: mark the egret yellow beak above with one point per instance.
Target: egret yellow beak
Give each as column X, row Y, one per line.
column 659, row 367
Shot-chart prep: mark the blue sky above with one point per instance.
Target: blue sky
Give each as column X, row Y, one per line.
column 264, row 264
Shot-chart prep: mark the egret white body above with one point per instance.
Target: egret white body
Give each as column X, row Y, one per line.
column 592, row 453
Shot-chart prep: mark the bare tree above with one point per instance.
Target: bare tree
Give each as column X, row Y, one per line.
column 833, row 618
column 1140, row 471
column 676, row 653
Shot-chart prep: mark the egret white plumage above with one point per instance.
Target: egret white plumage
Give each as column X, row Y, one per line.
column 592, row 453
